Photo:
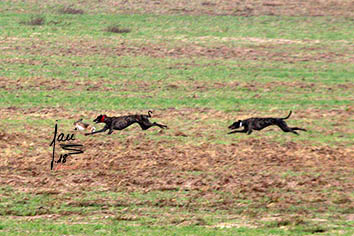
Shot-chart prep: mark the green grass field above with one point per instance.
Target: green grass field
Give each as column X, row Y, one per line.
column 199, row 66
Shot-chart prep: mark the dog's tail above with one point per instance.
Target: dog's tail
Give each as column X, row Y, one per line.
column 287, row 116
column 149, row 114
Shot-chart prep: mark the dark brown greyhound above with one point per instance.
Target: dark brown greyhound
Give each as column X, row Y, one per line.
column 122, row 122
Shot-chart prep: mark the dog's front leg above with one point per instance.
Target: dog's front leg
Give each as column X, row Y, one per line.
column 110, row 129
column 98, row 131
column 238, row 131
column 296, row 128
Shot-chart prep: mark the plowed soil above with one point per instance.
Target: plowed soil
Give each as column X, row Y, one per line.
column 271, row 175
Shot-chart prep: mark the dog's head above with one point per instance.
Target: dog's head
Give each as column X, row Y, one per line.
column 236, row 125
column 100, row 119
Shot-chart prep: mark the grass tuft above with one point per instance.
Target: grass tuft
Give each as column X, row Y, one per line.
column 34, row 20
column 117, row 29
column 287, row 221
column 70, row 10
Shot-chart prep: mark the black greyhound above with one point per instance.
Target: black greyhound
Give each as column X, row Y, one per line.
column 260, row 123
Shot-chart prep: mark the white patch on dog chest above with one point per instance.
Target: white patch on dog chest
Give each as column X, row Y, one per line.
column 240, row 123
column 79, row 127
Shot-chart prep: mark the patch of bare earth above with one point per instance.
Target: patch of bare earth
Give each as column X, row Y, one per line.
column 42, row 83
column 82, row 47
column 217, row 7
column 274, row 176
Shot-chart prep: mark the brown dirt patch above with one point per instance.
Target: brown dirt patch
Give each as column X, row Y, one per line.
column 251, row 168
column 41, row 83
column 50, row 84
column 268, row 52
column 299, row 86
column 218, row 7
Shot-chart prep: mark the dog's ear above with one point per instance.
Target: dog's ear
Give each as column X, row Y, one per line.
column 79, row 120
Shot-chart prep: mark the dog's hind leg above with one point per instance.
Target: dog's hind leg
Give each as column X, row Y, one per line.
column 147, row 124
column 160, row 125
column 286, row 128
